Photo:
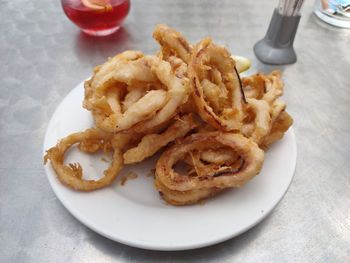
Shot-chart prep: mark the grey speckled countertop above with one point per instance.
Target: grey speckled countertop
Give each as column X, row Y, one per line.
column 43, row 56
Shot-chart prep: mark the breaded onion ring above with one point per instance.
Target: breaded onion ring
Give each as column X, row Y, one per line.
column 71, row 174
column 252, row 159
column 213, row 64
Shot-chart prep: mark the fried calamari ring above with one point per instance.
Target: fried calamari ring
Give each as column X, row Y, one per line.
column 254, row 86
column 220, row 156
column 201, row 168
column 178, row 66
column 278, row 129
column 212, row 64
column 273, row 86
column 184, row 197
column 71, row 174
column 143, row 109
column 135, row 94
column 252, row 159
column 214, row 94
column 92, row 145
column 127, row 77
column 216, row 162
column 263, row 87
column 257, row 126
column 266, row 88
column 210, row 159
column 128, row 67
column 125, row 140
column 277, row 108
column 151, row 143
column 177, row 94
column 172, row 43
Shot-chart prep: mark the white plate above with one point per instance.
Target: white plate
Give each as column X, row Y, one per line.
column 135, row 215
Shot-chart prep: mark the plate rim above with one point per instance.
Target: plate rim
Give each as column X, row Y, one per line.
column 86, row 222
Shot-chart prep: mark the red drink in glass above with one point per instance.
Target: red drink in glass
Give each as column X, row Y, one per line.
column 97, row 17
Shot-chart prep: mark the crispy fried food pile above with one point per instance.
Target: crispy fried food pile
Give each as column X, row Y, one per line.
column 188, row 100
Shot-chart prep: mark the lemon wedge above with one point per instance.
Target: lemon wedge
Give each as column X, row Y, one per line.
column 242, row 63
column 96, row 4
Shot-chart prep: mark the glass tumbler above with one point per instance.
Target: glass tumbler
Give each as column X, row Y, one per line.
column 97, row 17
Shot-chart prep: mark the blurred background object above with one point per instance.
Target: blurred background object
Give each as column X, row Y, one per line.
column 276, row 48
column 334, row 12
column 97, row 17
